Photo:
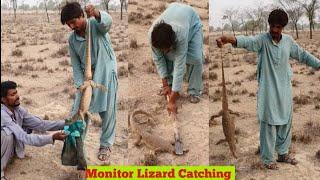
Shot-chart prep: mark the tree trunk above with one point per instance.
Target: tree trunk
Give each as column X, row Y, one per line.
column 45, row 4
column 15, row 14
column 234, row 34
column 296, row 27
column 121, row 4
column 107, row 5
column 310, row 30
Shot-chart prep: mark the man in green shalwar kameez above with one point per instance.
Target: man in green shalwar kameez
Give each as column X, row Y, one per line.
column 176, row 40
column 104, row 66
column 274, row 104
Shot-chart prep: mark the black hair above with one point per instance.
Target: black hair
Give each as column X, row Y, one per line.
column 6, row 86
column 163, row 36
column 278, row 16
column 70, row 11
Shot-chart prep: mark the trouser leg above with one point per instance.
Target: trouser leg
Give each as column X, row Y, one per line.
column 267, row 142
column 7, row 150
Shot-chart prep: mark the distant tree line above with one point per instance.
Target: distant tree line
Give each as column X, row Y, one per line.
column 251, row 20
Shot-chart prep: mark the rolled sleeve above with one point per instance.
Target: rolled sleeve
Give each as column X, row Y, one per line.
column 76, row 66
column 179, row 64
column 30, row 139
column 179, row 69
column 36, row 123
column 251, row 43
column 104, row 25
column 303, row 56
column 160, row 62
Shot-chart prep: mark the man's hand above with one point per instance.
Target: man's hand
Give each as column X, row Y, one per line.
column 166, row 91
column 92, row 11
column 59, row 136
column 172, row 107
column 225, row 39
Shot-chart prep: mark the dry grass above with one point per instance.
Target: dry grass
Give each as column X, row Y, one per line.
column 206, row 40
column 45, row 49
column 58, row 38
column 252, row 76
column 64, row 62
column 318, row 155
column 307, row 135
column 122, row 71
column 302, row 138
column 238, row 72
column 96, row 122
column 235, row 100
column 302, row 99
column 151, row 68
column 50, row 71
column 63, row 51
column 256, row 165
column 22, row 43
column 130, row 67
column 17, row 53
column 237, row 83
column 213, row 76
column 133, row 43
column 295, row 83
column 133, row 2
column 26, row 67
column 34, row 76
column 313, row 128
column 40, row 59
column 250, row 58
column 134, row 17
column 150, row 160
column 27, row 101
column 216, row 96
column 46, row 117
column 311, row 72
column 122, row 57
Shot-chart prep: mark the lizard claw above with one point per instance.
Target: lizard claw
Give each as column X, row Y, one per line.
column 93, row 84
column 84, row 85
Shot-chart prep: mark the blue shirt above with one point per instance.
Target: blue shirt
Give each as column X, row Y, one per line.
column 274, row 74
column 102, row 57
column 185, row 22
column 19, row 121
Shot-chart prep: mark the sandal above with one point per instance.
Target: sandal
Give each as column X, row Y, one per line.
column 271, row 166
column 104, row 153
column 194, row 99
column 285, row 158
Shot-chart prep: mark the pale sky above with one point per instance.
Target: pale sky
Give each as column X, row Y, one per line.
column 34, row 2
column 217, row 7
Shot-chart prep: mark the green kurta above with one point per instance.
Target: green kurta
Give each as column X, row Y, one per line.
column 187, row 26
column 274, row 74
column 103, row 62
column 104, row 68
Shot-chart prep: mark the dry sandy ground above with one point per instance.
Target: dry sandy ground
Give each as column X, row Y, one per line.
column 145, row 84
column 43, row 72
column 242, row 86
